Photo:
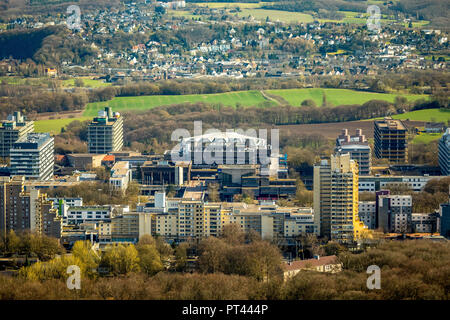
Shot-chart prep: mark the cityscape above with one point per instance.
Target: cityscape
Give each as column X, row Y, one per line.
column 224, row 150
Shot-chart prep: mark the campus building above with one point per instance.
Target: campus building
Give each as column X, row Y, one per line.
column 444, row 153
column 32, row 156
column 22, row 211
column 12, row 129
column 391, row 140
column 394, row 212
column 105, row 132
column 358, row 148
column 336, row 199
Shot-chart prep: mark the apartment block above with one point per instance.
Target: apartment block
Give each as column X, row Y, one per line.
column 95, row 213
column 394, row 213
column 105, row 132
column 444, row 219
column 444, row 153
column 367, row 213
column 381, row 182
column 391, row 140
column 358, row 148
column 424, row 222
column 23, row 211
column 336, row 199
column 11, row 130
column 32, row 156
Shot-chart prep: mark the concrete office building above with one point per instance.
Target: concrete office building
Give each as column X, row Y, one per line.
column 394, row 213
column 358, row 148
column 444, row 218
column 11, row 130
column 367, row 213
column 390, row 140
column 336, row 199
column 444, row 153
column 105, row 132
column 23, row 211
column 32, row 156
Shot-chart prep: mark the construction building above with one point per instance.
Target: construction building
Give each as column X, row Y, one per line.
column 391, row 140
column 358, row 148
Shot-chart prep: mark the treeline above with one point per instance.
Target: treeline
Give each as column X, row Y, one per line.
column 409, row 270
column 315, row 6
column 155, row 127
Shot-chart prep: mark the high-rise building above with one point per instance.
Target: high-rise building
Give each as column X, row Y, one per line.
column 32, row 156
column 444, row 153
column 336, row 199
column 105, row 132
column 12, row 129
column 444, row 217
column 22, row 211
column 394, row 212
column 390, row 140
column 358, row 148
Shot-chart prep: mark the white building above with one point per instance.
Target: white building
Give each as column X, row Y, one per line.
column 32, row 156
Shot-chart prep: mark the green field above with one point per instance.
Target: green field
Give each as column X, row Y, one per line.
column 54, row 126
column 88, row 83
column 336, row 96
column 276, row 15
column 437, row 115
column 244, row 98
column 426, row 137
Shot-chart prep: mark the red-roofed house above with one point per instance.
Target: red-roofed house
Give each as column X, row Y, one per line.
column 320, row 264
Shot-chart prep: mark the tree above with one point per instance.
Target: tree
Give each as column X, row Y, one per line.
column 149, row 259
column 264, row 260
column 232, row 234
column 85, row 253
column 121, row 259
column 212, row 255
column 181, row 256
column 213, row 192
column 10, row 243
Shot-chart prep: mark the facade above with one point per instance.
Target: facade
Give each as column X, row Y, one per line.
column 444, row 218
column 32, row 156
column 380, row 182
column 391, row 140
column 165, row 172
column 444, row 153
column 105, row 132
column 85, row 161
column 367, row 213
column 358, row 148
column 424, row 222
column 23, row 211
column 120, row 176
column 394, row 213
column 96, row 213
column 12, row 129
column 336, row 199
